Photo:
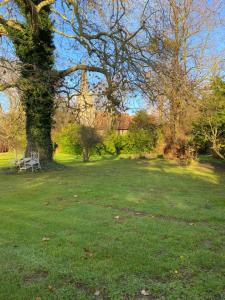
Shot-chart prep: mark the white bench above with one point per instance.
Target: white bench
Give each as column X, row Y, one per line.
column 32, row 162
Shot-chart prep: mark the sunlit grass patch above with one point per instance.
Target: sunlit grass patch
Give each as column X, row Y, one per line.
column 114, row 226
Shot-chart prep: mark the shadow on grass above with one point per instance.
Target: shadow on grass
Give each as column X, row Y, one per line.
column 45, row 167
column 112, row 170
column 110, row 182
column 213, row 163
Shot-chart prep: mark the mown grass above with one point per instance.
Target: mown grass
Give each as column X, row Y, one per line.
column 115, row 227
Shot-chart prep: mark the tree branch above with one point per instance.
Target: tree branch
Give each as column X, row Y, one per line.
column 82, row 68
column 9, row 23
column 2, row 30
column 44, row 3
column 4, row 2
column 5, row 86
column 63, row 33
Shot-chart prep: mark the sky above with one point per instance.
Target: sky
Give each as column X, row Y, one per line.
column 4, row 102
column 218, row 39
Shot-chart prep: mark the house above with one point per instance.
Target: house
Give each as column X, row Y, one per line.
column 105, row 121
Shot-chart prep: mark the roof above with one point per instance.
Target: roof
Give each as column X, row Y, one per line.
column 106, row 121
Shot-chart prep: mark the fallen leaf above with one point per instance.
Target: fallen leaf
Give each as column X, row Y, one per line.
column 144, row 293
column 88, row 253
column 116, row 217
column 38, row 298
column 45, row 239
column 97, row 293
column 51, row 288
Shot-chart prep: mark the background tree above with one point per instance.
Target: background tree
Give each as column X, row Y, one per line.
column 143, row 133
column 12, row 118
column 12, row 131
column 182, row 45
column 210, row 128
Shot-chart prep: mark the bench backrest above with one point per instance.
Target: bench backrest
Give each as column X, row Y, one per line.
column 34, row 156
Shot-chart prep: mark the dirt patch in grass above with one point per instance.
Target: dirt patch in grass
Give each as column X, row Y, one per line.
column 149, row 297
column 178, row 220
column 37, row 275
column 83, row 286
column 136, row 213
column 101, row 294
column 207, row 244
column 78, row 284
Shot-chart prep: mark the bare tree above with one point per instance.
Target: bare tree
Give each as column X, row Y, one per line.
column 181, row 66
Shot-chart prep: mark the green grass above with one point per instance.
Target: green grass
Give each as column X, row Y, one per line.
column 168, row 239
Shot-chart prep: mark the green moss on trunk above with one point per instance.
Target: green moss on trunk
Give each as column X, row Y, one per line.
column 35, row 49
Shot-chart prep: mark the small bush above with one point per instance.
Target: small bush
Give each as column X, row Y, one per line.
column 140, row 141
column 68, row 140
column 115, row 143
column 87, row 139
column 143, row 133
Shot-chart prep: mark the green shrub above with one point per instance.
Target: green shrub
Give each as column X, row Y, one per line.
column 143, row 133
column 140, row 140
column 209, row 129
column 134, row 141
column 114, row 143
column 68, row 139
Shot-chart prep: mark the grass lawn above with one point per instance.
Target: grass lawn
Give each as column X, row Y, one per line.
column 109, row 229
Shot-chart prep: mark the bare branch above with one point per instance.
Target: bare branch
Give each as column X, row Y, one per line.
column 43, row 4
column 2, row 30
column 9, row 23
column 82, row 68
column 63, row 33
column 4, row 2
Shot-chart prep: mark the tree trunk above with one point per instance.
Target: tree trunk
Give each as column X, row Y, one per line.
column 38, row 101
column 217, row 152
column 85, row 155
column 34, row 46
column 38, row 133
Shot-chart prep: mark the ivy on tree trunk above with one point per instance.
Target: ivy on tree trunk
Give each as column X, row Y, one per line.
column 35, row 48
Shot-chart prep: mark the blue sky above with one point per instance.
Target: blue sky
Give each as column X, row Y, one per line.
column 76, row 55
column 3, row 101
